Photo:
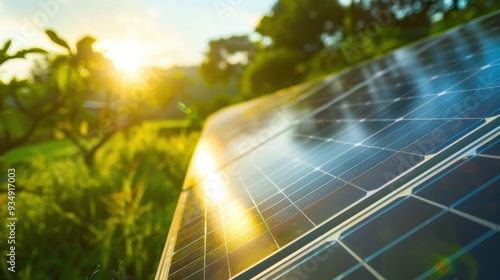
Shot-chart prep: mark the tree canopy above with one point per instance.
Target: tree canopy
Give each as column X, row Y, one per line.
column 226, row 58
column 302, row 25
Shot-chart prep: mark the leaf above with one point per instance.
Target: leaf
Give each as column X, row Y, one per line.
column 23, row 53
column 62, row 78
column 58, row 40
column 84, row 49
column 5, row 48
column 3, row 52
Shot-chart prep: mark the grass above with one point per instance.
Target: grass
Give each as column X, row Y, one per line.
column 159, row 124
column 109, row 222
column 49, row 149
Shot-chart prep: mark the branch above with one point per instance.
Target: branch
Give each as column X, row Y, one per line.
column 75, row 141
column 103, row 140
column 21, row 139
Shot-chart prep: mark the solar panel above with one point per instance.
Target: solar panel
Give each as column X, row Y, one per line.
column 397, row 158
column 446, row 225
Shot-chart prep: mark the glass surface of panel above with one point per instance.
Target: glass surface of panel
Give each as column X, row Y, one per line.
column 270, row 175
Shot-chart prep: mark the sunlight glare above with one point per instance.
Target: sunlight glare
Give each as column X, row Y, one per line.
column 126, row 56
column 205, row 167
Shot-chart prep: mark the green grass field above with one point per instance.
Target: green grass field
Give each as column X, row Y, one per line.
column 107, row 222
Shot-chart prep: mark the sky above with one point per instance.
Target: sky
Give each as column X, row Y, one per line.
column 153, row 32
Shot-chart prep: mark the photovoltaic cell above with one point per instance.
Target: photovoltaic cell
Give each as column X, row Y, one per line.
column 279, row 186
column 448, row 227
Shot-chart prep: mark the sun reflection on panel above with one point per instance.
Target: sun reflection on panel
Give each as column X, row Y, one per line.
column 204, row 167
column 213, row 188
column 240, row 225
column 239, row 221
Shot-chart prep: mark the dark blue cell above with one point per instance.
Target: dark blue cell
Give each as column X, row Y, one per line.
column 283, row 171
column 481, row 103
column 365, row 164
column 426, row 246
column 321, row 208
column 485, row 203
column 413, row 134
column 480, row 261
column 359, row 155
column 491, row 148
column 398, row 108
column 459, row 181
column 442, row 136
column 479, row 80
column 387, row 225
column 270, row 201
column 434, row 107
column 440, row 83
column 283, row 209
column 306, row 186
column 328, row 261
column 333, row 166
column 386, row 171
column 290, row 176
column 394, row 132
column 291, row 228
column 325, row 153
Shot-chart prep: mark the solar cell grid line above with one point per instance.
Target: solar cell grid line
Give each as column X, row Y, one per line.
column 280, row 191
column 478, row 239
column 306, row 143
column 352, row 181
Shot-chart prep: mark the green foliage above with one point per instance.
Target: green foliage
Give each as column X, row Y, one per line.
column 325, row 62
column 217, row 102
column 4, row 56
column 301, row 25
column 54, row 101
column 58, row 40
column 113, row 219
column 272, row 70
column 49, row 149
column 226, row 58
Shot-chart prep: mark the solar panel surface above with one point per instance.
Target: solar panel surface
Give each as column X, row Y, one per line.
column 447, row 226
column 272, row 177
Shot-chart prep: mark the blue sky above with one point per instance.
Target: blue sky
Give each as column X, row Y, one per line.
column 164, row 32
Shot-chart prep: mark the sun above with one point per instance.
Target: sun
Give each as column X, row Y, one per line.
column 126, row 56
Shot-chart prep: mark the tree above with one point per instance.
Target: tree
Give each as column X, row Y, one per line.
column 80, row 95
column 226, row 58
column 272, row 70
column 19, row 117
column 121, row 104
column 302, row 25
column 292, row 34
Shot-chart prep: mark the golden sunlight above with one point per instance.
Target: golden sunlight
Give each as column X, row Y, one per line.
column 126, row 56
column 204, row 166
